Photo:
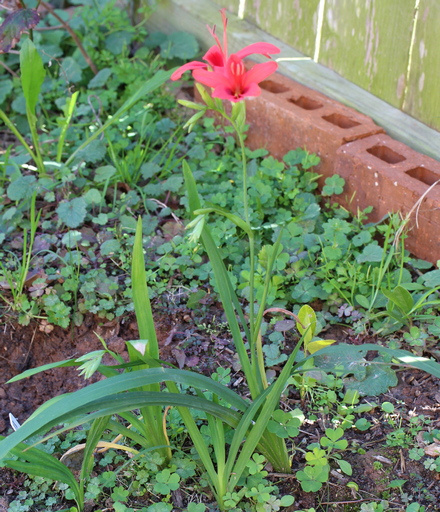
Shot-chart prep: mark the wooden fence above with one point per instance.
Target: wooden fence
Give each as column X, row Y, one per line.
column 388, row 47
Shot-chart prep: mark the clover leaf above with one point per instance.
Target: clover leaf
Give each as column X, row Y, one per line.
column 334, row 185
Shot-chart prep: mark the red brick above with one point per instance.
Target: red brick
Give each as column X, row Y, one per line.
column 289, row 115
column 392, row 177
column 379, row 171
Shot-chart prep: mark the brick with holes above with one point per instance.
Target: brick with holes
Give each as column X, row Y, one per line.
column 289, row 115
column 388, row 175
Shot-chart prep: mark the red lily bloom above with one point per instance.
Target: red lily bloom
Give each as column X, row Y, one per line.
column 234, row 83
column 227, row 75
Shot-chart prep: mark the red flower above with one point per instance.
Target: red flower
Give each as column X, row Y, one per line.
column 234, row 83
column 227, row 75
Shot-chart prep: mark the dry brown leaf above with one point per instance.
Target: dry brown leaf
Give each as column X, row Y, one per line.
column 433, row 450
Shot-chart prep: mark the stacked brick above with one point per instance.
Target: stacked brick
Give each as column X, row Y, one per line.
column 378, row 171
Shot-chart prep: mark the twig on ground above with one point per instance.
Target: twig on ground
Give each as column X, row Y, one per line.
column 8, row 69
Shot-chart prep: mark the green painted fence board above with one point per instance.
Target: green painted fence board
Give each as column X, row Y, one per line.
column 292, row 21
column 230, row 5
column 423, row 97
column 368, row 42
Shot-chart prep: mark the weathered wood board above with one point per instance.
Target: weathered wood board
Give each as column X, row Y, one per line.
column 292, row 21
column 231, row 5
column 423, row 96
column 368, row 43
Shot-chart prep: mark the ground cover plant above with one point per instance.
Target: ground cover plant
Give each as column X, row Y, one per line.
column 75, row 204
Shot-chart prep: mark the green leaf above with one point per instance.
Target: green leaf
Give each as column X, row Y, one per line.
column 306, row 291
column 117, row 41
column 196, row 507
column 120, row 494
column 378, row 379
column 431, row 279
column 181, row 45
column 361, row 238
column 194, row 299
column 22, row 188
column 93, row 196
column 343, row 359
column 94, row 152
column 104, row 173
column 372, row 253
column 71, row 239
column 333, row 439
column 396, row 484
column 287, row 500
column 141, row 298
column 312, row 477
column 110, row 247
column 387, row 407
column 173, row 184
column 150, row 169
column 160, row 507
column 101, row 219
column 307, row 323
column 401, row 298
column 49, row 366
column 362, row 424
column 283, row 424
column 334, row 185
column 14, row 25
column 233, row 218
column 345, row 467
column 72, row 71
column 334, row 352
column 73, row 212
column 5, row 89
column 32, row 74
column 362, row 301
column 273, row 354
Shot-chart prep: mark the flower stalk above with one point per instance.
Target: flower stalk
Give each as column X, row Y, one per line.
column 229, row 80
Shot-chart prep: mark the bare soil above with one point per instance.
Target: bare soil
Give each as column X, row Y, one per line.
column 186, row 344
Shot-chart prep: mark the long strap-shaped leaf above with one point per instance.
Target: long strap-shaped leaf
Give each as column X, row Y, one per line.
column 47, row 414
column 141, row 298
column 40, row 463
column 227, row 293
column 93, row 438
column 152, row 425
column 274, row 447
column 121, row 402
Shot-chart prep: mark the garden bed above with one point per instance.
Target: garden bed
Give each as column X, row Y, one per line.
column 67, row 224
column 378, row 455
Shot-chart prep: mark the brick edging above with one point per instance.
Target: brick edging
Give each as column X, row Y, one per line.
column 379, row 171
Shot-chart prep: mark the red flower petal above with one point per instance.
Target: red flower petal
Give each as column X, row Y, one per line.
column 260, row 72
column 211, row 78
column 188, row 67
column 214, row 57
column 262, row 48
column 251, row 91
column 224, row 93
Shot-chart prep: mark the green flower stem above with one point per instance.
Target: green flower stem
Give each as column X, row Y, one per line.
column 33, row 126
column 255, row 348
column 14, row 130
